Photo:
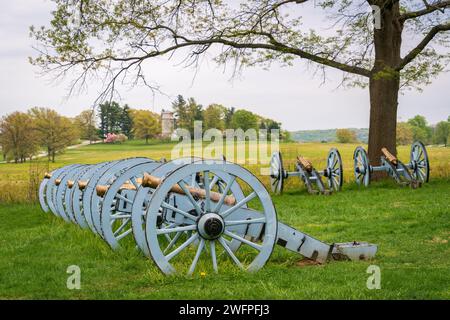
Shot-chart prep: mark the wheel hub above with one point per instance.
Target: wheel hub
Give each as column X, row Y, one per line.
column 210, row 226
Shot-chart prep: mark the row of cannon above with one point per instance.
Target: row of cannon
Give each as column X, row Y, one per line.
column 186, row 214
column 414, row 173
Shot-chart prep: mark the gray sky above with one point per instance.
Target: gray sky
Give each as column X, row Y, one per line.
column 289, row 95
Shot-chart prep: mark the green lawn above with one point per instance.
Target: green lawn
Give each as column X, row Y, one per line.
column 411, row 227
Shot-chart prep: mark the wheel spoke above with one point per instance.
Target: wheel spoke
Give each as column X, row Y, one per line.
column 421, row 175
column 230, row 253
column 121, row 197
column 239, row 222
column 197, row 256
column 120, row 216
column 185, row 214
column 224, row 194
column 124, row 223
column 212, row 247
column 197, row 208
column 336, row 182
column 207, row 190
column 123, row 235
column 334, row 161
column 416, row 153
column 176, row 229
column 173, row 241
column 238, row 205
column 243, row 240
column 182, row 246
column 213, row 182
column 135, row 183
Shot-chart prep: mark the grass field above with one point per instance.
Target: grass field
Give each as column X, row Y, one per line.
column 18, row 182
column 411, row 227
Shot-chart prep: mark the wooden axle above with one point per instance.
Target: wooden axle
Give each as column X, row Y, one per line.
column 70, row 184
column 47, row 175
column 389, row 156
column 305, row 163
column 57, row 182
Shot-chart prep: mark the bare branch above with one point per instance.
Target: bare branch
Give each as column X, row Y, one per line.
column 418, row 49
column 429, row 8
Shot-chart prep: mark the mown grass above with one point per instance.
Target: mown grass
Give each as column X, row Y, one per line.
column 411, row 227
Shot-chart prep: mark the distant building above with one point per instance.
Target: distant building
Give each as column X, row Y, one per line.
column 167, row 123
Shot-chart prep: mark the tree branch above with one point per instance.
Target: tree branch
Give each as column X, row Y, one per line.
column 279, row 47
column 273, row 45
column 429, row 8
column 419, row 48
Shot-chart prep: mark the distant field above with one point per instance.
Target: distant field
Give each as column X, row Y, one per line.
column 18, row 182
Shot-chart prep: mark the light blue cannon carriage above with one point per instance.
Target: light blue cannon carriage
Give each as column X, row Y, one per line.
column 310, row 176
column 413, row 174
column 187, row 214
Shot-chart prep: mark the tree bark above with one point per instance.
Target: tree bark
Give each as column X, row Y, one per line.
column 384, row 85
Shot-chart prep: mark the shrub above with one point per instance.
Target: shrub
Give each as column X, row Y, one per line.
column 346, row 136
column 115, row 138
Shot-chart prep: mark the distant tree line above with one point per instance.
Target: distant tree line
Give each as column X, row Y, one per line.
column 133, row 123
column 216, row 116
column 23, row 135
column 415, row 129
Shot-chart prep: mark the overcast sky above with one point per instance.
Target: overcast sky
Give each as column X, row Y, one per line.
column 289, row 95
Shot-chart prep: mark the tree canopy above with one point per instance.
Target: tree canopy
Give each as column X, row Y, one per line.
column 86, row 124
column 16, row 137
column 346, row 136
column 111, row 40
column 53, row 131
column 117, row 36
column 146, row 124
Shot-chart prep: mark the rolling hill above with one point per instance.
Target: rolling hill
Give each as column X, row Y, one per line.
column 327, row 135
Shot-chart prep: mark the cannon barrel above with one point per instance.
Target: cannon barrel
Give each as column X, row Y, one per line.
column 82, row 185
column 70, row 184
column 154, row 182
column 305, row 163
column 389, row 156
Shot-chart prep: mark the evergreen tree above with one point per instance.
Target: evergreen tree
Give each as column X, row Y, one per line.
column 110, row 114
column 126, row 122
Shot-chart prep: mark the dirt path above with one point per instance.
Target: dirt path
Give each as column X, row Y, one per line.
column 75, row 146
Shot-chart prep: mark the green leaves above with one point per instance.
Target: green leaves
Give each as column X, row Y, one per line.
column 111, row 39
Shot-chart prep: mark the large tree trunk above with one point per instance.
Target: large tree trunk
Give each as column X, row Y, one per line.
column 383, row 117
column 384, row 86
